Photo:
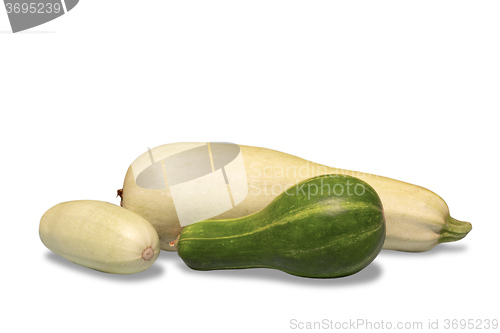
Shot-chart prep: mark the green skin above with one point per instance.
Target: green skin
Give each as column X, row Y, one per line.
column 324, row 227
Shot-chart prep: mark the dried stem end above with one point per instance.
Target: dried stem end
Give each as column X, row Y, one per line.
column 119, row 193
column 148, row 253
column 174, row 242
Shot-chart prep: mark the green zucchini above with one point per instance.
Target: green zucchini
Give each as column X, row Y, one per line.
column 324, row 227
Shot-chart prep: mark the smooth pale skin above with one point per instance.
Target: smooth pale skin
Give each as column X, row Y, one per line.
column 416, row 219
column 101, row 236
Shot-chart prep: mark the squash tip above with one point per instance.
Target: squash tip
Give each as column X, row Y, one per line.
column 454, row 230
column 148, row 253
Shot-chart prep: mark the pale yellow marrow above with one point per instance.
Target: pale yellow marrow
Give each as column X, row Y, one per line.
column 416, row 218
column 101, row 236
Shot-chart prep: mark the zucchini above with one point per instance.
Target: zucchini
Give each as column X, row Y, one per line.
column 325, row 227
column 101, row 236
column 417, row 219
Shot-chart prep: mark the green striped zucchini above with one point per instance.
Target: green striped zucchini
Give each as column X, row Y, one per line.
column 324, row 227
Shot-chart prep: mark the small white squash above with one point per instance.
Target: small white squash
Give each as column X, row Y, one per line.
column 101, row 236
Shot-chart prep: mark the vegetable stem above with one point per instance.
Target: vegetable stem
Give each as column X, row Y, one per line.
column 454, row 230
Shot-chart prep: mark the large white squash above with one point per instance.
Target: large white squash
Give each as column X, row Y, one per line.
column 181, row 183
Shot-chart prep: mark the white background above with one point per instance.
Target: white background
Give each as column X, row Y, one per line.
column 404, row 89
